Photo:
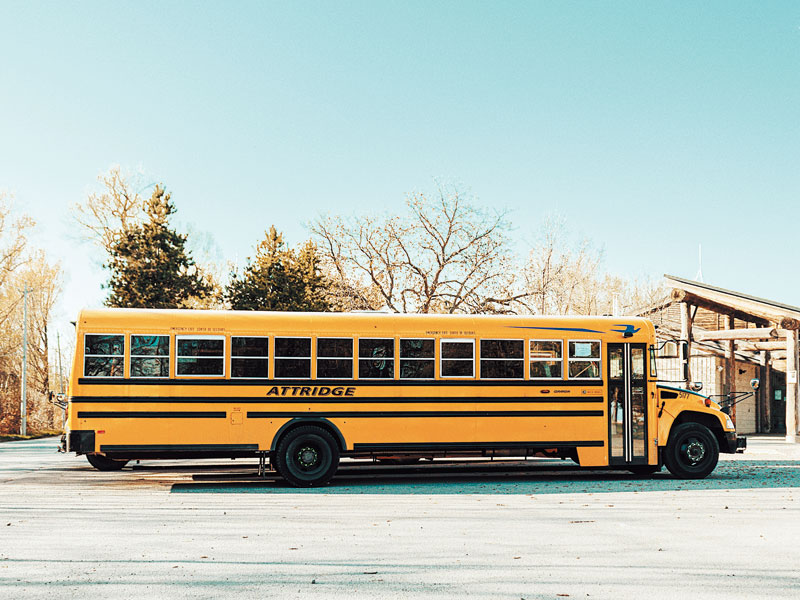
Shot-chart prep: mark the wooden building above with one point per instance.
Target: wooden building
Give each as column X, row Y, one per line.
column 724, row 340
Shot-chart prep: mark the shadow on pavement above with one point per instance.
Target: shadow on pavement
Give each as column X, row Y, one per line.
column 506, row 479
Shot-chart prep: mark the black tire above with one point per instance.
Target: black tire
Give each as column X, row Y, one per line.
column 644, row 470
column 103, row 463
column 692, row 451
column 307, row 456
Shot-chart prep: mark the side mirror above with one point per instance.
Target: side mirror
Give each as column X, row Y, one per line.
column 696, row 386
column 754, row 383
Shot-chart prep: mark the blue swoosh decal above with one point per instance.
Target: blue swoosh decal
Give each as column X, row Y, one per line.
column 579, row 329
column 630, row 329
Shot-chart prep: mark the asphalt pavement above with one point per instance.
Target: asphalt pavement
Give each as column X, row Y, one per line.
column 509, row 529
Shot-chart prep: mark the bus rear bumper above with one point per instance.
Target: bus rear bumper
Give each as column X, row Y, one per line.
column 80, row 441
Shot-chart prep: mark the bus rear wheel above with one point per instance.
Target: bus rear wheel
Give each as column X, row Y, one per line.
column 307, row 456
column 692, row 451
column 103, row 463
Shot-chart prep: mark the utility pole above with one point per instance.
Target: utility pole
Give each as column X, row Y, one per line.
column 60, row 371
column 61, row 382
column 23, row 423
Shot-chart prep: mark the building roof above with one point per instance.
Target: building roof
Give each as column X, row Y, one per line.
column 728, row 301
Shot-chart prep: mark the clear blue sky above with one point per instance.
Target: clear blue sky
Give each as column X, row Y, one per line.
column 651, row 127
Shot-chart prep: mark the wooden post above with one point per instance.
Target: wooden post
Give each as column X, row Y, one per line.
column 686, row 344
column 759, row 395
column 766, row 385
column 730, row 368
column 791, row 385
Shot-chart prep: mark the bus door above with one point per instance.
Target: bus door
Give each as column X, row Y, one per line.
column 627, row 404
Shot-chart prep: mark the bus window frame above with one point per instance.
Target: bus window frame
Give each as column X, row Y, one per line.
column 598, row 360
column 168, row 356
column 124, row 342
column 481, row 359
column 317, row 357
column 232, row 357
column 441, row 358
column 400, row 358
column 564, row 372
column 395, row 352
column 310, row 357
column 201, row 337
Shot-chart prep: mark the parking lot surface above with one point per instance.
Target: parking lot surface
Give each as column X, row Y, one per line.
column 535, row 529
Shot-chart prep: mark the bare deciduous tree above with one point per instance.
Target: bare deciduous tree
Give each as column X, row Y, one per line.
column 13, row 239
column 44, row 282
column 107, row 214
column 558, row 274
column 446, row 256
column 344, row 293
column 563, row 276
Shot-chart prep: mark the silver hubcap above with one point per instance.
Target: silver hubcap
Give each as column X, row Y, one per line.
column 695, row 451
column 307, row 457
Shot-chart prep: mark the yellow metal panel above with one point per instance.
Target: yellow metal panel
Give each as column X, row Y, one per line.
column 427, row 397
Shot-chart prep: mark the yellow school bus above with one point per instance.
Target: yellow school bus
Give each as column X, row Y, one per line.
column 304, row 389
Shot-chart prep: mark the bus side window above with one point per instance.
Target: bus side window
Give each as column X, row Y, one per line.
column 334, row 358
column 653, row 363
column 546, row 359
column 249, row 357
column 417, row 358
column 200, row 355
column 375, row 358
column 584, row 359
column 457, row 358
column 292, row 358
column 502, row 359
column 149, row 356
column 103, row 355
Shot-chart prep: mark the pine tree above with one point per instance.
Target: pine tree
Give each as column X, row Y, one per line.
column 306, row 264
column 278, row 278
column 150, row 266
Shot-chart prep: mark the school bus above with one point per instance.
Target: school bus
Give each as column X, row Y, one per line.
column 302, row 390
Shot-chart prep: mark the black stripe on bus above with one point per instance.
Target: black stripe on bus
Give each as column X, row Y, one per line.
column 328, row 399
column 179, row 448
column 433, row 446
column 425, row 413
column 108, row 414
column 548, row 383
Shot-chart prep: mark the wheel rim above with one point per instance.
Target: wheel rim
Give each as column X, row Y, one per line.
column 692, row 452
column 307, row 457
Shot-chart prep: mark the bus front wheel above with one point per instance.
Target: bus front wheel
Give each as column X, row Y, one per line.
column 103, row 463
column 307, row 456
column 692, row 451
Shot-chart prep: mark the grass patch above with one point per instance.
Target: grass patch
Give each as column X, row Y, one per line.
column 13, row 437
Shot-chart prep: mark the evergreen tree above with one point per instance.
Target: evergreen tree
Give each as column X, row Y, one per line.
column 306, row 262
column 278, row 278
column 150, row 266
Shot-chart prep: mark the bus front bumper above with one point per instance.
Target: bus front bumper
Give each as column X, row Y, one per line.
column 734, row 443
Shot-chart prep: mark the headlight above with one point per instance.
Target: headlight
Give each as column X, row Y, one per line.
column 728, row 422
